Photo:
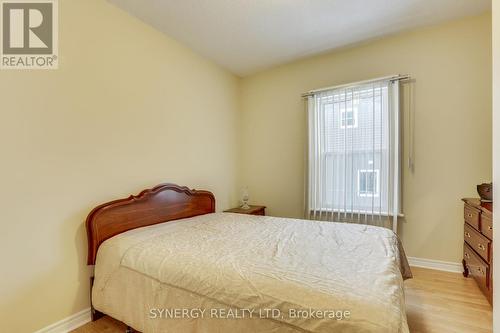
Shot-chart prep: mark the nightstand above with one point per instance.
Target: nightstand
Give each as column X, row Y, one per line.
column 253, row 210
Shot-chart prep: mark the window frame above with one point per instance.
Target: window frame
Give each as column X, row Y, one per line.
column 376, row 193
column 343, row 119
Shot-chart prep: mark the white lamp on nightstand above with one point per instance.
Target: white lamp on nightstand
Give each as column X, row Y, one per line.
column 244, row 198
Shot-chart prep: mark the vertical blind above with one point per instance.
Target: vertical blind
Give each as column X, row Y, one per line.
column 354, row 154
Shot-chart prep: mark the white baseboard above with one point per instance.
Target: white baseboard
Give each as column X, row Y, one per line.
column 439, row 265
column 69, row 323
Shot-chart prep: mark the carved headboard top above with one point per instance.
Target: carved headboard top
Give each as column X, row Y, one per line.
column 162, row 203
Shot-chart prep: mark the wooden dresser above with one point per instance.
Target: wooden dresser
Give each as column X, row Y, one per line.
column 478, row 244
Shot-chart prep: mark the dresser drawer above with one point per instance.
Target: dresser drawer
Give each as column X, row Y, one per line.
column 477, row 268
column 487, row 226
column 471, row 216
column 478, row 242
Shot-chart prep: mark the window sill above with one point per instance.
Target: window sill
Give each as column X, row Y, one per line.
column 326, row 211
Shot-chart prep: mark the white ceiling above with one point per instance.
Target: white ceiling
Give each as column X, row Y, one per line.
column 246, row 36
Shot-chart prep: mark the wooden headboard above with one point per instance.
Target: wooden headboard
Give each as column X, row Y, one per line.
column 165, row 202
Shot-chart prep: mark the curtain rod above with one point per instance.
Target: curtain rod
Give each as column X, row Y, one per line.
column 390, row 78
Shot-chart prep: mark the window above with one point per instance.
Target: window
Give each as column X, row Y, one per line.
column 354, row 150
column 368, row 183
column 349, row 118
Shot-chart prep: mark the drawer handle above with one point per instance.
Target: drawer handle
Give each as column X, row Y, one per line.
column 467, row 255
column 467, row 234
column 480, row 270
column 469, row 215
column 481, row 247
column 490, row 227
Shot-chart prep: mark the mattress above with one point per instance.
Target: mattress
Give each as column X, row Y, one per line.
column 225, row 272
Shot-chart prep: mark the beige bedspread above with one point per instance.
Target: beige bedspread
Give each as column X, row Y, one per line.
column 253, row 274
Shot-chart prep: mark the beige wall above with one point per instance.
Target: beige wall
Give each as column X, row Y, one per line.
column 451, row 64
column 128, row 108
column 496, row 156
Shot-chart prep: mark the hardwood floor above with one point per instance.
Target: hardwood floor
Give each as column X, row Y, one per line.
column 446, row 302
column 435, row 302
column 103, row 325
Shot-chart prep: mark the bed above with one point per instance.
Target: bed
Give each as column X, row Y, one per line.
column 166, row 262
